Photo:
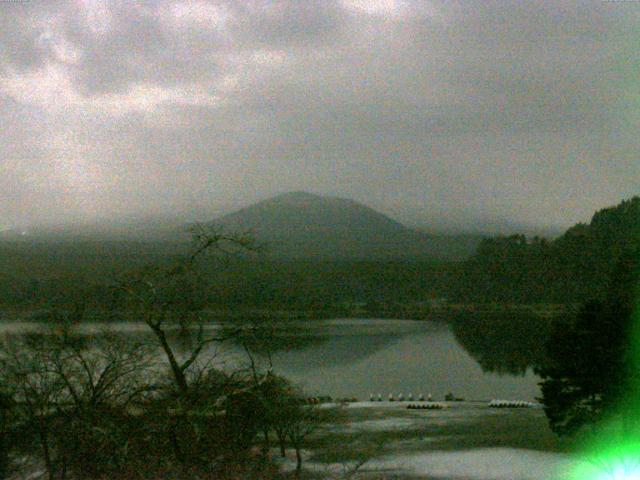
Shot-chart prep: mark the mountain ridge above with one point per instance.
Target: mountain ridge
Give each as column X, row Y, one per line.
column 294, row 225
column 304, row 225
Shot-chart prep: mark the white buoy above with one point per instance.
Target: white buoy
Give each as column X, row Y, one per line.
column 391, row 399
column 371, row 397
column 429, row 398
column 421, row 398
column 379, row 397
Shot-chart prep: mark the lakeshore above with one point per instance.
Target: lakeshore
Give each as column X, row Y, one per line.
column 467, row 440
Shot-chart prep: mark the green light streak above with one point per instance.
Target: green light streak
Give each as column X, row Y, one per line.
column 607, row 459
column 612, row 452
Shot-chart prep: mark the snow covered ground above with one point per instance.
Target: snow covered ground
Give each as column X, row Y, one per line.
column 477, row 464
column 468, row 441
column 480, row 464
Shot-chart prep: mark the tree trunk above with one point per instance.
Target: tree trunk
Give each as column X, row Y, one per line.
column 298, row 461
column 175, row 443
column 63, row 473
column 4, row 455
column 44, row 444
column 178, row 374
column 281, row 441
column 267, row 441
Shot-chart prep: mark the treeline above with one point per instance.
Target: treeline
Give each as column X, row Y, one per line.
column 570, row 269
column 52, row 274
column 40, row 280
column 321, row 284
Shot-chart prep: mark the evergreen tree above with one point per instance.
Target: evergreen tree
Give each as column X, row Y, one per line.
column 589, row 369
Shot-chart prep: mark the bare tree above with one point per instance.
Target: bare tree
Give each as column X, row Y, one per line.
column 66, row 385
column 174, row 297
column 101, row 369
column 92, row 383
column 7, row 406
column 104, row 375
column 37, row 391
column 304, row 422
column 277, row 396
column 168, row 297
column 292, row 418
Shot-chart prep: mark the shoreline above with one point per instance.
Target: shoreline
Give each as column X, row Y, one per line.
column 405, row 312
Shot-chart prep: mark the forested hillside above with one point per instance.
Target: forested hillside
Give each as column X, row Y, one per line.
column 573, row 267
column 37, row 277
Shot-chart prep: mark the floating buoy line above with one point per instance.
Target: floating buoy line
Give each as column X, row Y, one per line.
column 422, row 403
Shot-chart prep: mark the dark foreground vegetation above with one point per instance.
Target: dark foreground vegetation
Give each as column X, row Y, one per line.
column 102, row 406
column 589, row 368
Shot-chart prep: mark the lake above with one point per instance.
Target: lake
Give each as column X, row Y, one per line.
column 356, row 358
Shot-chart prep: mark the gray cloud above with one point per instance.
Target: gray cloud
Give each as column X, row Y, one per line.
column 439, row 112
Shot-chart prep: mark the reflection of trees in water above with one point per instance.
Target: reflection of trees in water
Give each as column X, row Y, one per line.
column 504, row 343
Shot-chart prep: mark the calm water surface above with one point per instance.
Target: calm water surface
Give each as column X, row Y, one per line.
column 356, row 358
column 361, row 357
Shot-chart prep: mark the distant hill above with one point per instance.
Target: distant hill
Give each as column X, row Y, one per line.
column 577, row 266
column 301, row 225
column 127, row 230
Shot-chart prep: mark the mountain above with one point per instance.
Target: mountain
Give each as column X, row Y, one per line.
column 300, row 225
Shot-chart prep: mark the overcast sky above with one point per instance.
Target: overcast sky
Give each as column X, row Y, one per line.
column 447, row 110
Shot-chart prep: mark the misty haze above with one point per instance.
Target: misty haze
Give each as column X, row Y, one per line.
column 319, row 239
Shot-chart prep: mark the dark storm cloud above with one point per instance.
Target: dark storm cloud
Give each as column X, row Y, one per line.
column 434, row 111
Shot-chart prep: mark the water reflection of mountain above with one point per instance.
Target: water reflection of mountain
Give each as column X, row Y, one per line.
column 505, row 343
column 356, row 358
column 335, row 350
column 426, row 359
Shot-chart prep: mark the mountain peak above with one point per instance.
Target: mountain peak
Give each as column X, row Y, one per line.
column 297, row 195
column 299, row 224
